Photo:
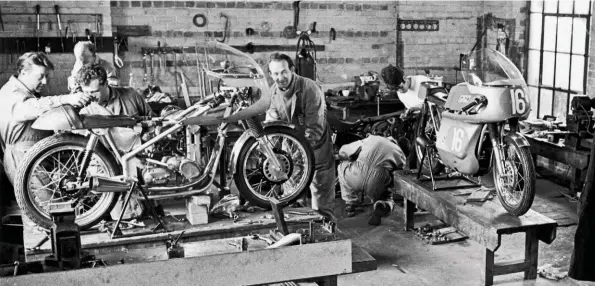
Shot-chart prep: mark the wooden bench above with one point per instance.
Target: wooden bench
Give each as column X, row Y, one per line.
column 485, row 224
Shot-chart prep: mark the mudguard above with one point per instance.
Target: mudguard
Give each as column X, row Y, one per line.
column 518, row 138
column 235, row 152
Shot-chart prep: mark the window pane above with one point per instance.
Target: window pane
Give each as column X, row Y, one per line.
column 547, row 77
column 577, row 79
column 582, row 7
column 562, row 70
column 534, row 102
column 533, row 68
column 564, row 34
column 549, row 35
column 560, row 105
column 579, row 35
column 535, row 31
column 537, row 6
column 565, row 6
column 550, row 6
column 545, row 102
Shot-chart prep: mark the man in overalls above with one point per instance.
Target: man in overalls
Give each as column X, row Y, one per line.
column 22, row 104
column 298, row 100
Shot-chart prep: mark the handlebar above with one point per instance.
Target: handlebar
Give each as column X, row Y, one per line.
column 477, row 101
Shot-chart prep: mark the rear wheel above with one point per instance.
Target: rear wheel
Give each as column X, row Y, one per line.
column 50, row 162
column 516, row 185
column 257, row 180
column 428, row 126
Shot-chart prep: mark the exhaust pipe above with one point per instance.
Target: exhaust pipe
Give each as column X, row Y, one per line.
column 108, row 185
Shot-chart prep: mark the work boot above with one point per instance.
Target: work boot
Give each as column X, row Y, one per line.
column 381, row 208
column 350, row 210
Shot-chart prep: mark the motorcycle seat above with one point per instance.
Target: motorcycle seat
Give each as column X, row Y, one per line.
column 106, row 121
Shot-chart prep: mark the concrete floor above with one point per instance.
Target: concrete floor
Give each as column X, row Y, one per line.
column 458, row 263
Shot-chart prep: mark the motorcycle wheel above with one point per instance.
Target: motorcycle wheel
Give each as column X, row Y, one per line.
column 431, row 132
column 254, row 175
column 46, row 164
column 516, row 188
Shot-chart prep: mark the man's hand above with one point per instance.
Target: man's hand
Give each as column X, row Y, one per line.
column 76, row 99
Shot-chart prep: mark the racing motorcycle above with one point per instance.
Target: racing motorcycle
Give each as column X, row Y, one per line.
column 91, row 160
column 475, row 126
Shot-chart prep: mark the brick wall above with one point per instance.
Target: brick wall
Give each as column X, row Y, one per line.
column 20, row 21
column 366, row 33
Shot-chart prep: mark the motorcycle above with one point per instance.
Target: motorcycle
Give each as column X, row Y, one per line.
column 172, row 158
column 475, row 127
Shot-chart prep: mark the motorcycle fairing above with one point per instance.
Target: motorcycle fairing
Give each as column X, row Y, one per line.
column 66, row 117
column 504, row 102
column 456, row 143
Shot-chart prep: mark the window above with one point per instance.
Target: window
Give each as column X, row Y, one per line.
column 558, row 54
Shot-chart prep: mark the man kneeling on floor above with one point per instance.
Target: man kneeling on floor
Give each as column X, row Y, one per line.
column 366, row 171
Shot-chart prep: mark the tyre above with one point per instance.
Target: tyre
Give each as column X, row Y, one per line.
column 255, row 177
column 46, row 164
column 516, row 187
column 428, row 126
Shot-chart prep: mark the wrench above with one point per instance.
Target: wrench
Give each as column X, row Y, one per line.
column 258, row 237
column 145, row 67
column 152, row 65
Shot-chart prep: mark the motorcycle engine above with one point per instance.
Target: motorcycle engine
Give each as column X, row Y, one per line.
column 178, row 168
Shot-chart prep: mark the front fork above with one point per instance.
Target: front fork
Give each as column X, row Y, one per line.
column 258, row 130
column 497, row 147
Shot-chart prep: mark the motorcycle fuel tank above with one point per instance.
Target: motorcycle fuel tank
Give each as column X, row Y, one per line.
column 456, row 143
column 61, row 118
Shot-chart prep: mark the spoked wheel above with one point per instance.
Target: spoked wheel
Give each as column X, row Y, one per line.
column 46, row 167
column 258, row 181
column 516, row 187
column 430, row 130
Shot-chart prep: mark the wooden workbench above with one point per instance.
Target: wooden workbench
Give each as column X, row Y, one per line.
column 484, row 222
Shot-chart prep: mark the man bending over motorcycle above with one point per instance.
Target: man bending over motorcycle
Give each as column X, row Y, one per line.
column 366, row 170
column 298, row 100
column 111, row 100
column 407, row 87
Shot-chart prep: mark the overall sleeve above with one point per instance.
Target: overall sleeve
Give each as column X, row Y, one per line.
column 315, row 114
column 31, row 107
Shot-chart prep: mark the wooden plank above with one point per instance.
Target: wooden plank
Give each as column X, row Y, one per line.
column 489, row 267
column 361, row 260
column 482, row 222
column 531, row 254
column 99, row 242
column 510, row 267
column 242, row 268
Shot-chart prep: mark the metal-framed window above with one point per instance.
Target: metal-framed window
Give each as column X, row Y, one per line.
column 558, row 54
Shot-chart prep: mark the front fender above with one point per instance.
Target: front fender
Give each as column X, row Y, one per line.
column 518, row 138
column 237, row 147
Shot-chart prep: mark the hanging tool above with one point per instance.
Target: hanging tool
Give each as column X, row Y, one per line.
column 225, row 27
column 118, row 63
column 98, row 30
column 202, row 22
column 159, row 57
column 151, row 54
column 208, row 68
column 184, row 57
column 175, row 72
column 145, row 67
column 37, row 9
column 290, row 32
column 56, row 8
column 184, row 88
column 1, row 22
column 332, row 35
column 199, row 74
column 88, row 34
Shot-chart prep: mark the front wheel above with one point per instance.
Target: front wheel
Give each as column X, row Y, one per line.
column 256, row 178
column 53, row 160
column 516, row 186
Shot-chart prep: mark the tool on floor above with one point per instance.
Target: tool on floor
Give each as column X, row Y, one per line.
column 174, row 250
column 57, row 9
column 37, row 9
column 66, row 238
column 184, row 88
column 258, row 237
column 241, row 245
column 225, row 27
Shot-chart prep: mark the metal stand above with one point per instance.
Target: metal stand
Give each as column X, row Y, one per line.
column 472, row 184
column 279, row 216
column 117, row 232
